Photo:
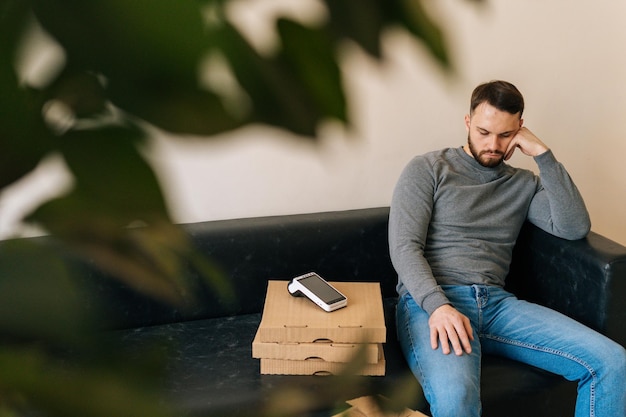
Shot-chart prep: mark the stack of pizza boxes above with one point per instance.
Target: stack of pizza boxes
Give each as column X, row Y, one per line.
column 297, row 337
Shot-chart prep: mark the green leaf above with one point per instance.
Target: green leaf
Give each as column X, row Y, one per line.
column 149, row 52
column 310, row 53
column 176, row 106
column 133, row 256
column 13, row 17
column 278, row 96
column 37, row 299
column 412, row 16
column 111, row 174
column 81, row 91
column 361, row 21
column 23, row 137
column 140, row 39
column 365, row 21
column 46, row 384
column 115, row 188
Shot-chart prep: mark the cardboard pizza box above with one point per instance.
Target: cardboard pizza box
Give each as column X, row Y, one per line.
column 297, row 319
column 320, row 367
column 370, row 407
column 325, row 350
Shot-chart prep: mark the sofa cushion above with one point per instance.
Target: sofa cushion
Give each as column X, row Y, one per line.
column 210, row 371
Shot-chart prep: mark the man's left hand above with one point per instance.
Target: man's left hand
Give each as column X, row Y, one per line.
column 526, row 142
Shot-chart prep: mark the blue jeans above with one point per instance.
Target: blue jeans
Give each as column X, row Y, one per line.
column 506, row 326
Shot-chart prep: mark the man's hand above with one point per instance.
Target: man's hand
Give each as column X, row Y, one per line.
column 527, row 142
column 449, row 326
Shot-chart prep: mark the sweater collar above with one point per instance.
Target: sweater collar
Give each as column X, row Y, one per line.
column 474, row 164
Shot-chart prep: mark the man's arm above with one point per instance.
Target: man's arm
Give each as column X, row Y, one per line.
column 409, row 217
column 557, row 207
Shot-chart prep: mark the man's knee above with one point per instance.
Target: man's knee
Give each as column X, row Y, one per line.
column 618, row 361
column 613, row 365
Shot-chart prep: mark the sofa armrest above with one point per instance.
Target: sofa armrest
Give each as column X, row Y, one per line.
column 585, row 279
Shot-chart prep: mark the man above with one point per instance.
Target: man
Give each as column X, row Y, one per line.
column 455, row 216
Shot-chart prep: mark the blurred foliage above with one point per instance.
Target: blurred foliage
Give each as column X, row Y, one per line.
column 130, row 66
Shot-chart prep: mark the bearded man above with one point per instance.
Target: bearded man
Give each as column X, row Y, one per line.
column 455, row 216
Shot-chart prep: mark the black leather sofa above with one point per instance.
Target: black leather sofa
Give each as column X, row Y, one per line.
column 210, row 369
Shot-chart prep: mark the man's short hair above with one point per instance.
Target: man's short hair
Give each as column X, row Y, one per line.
column 502, row 95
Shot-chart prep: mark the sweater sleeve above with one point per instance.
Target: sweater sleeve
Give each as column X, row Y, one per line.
column 557, row 207
column 410, row 213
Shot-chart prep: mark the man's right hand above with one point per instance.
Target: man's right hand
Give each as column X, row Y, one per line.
column 449, row 327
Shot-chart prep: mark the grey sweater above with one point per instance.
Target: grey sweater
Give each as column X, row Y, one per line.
column 455, row 222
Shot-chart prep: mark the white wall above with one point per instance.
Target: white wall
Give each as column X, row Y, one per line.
column 567, row 57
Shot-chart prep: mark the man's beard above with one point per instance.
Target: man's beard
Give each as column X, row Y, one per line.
column 486, row 162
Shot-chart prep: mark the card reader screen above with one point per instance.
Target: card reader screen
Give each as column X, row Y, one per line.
column 320, row 288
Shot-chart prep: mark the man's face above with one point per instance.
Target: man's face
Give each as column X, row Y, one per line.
column 489, row 132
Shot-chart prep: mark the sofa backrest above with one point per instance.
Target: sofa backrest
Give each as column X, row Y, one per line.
column 340, row 246
column 352, row 246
